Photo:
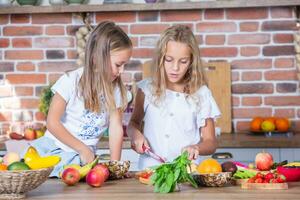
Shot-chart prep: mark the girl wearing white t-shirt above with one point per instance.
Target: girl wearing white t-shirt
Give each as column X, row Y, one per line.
column 88, row 100
column 174, row 110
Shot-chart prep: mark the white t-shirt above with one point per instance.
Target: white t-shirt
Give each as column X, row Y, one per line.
column 85, row 125
column 176, row 122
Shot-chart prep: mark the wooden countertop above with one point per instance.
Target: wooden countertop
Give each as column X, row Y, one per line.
column 187, row 5
column 231, row 140
column 129, row 189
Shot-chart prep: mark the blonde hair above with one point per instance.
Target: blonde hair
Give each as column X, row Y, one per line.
column 95, row 82
column 194, row 77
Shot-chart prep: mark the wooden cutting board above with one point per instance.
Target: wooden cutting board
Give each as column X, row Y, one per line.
column 265, row 186
column 218, row 77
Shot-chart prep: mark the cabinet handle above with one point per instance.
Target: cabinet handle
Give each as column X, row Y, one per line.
column 222, row 155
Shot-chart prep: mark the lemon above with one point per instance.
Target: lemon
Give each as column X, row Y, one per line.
column 267, row 126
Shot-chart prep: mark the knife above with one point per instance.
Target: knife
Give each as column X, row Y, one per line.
column 153, row 155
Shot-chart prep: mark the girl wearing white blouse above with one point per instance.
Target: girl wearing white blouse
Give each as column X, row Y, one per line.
column 174, row 110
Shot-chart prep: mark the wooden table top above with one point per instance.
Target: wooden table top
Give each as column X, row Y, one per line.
column 129, row 189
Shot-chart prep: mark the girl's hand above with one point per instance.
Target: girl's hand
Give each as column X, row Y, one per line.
column 86, row 155
column 137, row 143
column 193, row 151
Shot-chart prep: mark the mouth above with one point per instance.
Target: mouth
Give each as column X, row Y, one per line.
column 173, row 75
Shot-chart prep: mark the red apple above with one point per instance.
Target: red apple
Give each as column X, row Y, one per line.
column 70, row 176
column 95, row 178
column 103, row 169
column 263, row 161
column 29, row 134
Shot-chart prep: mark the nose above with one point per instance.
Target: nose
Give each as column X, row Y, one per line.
column 175, row 66
column 121, row 69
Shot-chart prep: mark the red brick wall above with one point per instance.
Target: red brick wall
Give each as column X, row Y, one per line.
column 258, row 42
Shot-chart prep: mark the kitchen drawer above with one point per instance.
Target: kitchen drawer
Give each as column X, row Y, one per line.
column 290, row 154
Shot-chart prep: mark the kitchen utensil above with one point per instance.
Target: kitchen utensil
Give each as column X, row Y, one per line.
column 153, row 155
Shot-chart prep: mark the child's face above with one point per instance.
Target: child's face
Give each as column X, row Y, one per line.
column 177, row 61
column 118, row 59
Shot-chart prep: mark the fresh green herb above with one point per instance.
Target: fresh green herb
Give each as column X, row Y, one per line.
column 45, row 99
column 244, row 174
column 166, row 176
column 275, row 165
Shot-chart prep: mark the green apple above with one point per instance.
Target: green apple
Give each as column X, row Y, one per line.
column 39, row 133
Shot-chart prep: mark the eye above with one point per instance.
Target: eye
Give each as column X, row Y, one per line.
column 168, row 59
column 118, row 65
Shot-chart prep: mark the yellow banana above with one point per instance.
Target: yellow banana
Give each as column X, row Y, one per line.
column 35, row 161
column 297, row 164
column 84, row 170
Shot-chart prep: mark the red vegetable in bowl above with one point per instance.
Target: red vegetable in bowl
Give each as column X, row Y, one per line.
column 291, row 174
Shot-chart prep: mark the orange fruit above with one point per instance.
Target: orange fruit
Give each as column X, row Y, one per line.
column 209, row 165
column 282, row 124
column 255, row 124
column 3, row 167
column 267, row 125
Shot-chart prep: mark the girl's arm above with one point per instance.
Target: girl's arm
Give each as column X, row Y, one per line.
column 208, row 143
column 115, row 134
column 134, row 128
column 56, row 111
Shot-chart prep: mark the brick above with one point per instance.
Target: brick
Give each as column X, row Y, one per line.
column 22, row 30
column 251, row 112
column 133, row 65
column 148, row 16
column 214, row 27
column 281, row 12
column 4, row 43
column 282, row 100
column 295, row 125
column 4, row 19
column 148, row 41
column 251, row 76
column 57, row 42
column 219, row 52
column 55, row 54
column 26, row 78
column 29, row 103
column 57, row 66
column 251, row 101
column 53, row 78
column 235, row 100
column 54, row 18
column 242, row 126
column 252, row 64
column 19, row 18
column 147, row 28
column 22, row 42
column 247, row 13
column 138, row 76
column 142, row 53
column 241, row 39
column 285, row 112
column 180, row 15
column 252, row 88
column 250, row 51
column 213, row 14
column 283, row 38
column 281, row 75
column 215, row 39
column 235, row 76
column 71, row 30
column 6, row 67
column 126, row 77
column 55, row 30
column 278, row 50
column 116, row 16
column 5, row 115
column 25, row 66
column 249, row 26
column 72, row 54
column 6, row 91
column 278, row 25
column 39, row 116
column 24, row 90
column 24, row 54
column 298, row 113
column 284, row 62
column 21, row 116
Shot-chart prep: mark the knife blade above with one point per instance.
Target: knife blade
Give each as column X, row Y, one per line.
column 153, row 155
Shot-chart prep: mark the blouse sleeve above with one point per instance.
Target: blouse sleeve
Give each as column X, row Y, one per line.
column 64, row 87
column 208, row 107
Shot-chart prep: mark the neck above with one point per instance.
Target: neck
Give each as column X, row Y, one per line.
column 178, row 87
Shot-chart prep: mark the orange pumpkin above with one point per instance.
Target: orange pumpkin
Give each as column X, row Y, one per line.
column 282, row 124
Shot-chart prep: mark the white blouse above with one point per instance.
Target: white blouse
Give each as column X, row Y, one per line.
column 175, row 122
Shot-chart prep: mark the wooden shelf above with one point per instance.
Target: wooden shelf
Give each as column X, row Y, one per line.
column 148, row 7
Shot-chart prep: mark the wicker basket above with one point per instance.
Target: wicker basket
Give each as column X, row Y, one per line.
column 15, row 184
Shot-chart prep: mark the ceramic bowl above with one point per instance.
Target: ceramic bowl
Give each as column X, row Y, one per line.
column 213, row 179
